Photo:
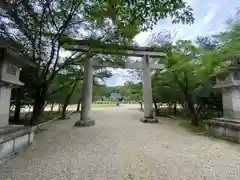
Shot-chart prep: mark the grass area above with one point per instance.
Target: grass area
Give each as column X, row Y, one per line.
column 103, row 105
column 195, row 129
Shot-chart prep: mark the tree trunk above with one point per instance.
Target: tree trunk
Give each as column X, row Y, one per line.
column 175, row 109
column 170, row 108
column 52, row 106
column 59, row 107
column 38, row 105
column 67, row 100
column 78, row 105
column 18, row 104
column 63, row 115
column 195, row 117
column 156, row 107
column 186, row 110
column 141, row 105
column 17, row 111
column 37, row 110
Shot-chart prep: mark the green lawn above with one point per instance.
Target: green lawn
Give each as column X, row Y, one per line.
column 103, row 105
column 195, row 129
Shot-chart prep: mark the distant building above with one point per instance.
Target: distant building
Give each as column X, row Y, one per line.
column 116, row 95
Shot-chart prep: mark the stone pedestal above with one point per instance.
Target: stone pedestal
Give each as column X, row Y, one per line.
column 85, row 118
column 147, row 92
column 225, row 128
column 5, row 96
column 228, row 127
column 14, row 139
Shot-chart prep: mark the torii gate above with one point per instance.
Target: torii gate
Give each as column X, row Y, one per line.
column 114, row 49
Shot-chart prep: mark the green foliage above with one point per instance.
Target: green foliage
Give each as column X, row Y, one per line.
column 125, row 23
column 130, row 92
column 230, row 43
column 61, row 86
column 165, row 92
column 188, row 77
column 143, row 14
column 190, row 67
column 133, row 91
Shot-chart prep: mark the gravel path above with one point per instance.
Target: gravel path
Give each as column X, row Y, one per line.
column 119, row 147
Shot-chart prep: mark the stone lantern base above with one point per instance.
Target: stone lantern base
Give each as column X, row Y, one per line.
column 225, row 128
column 228, row 127
column 14, row 139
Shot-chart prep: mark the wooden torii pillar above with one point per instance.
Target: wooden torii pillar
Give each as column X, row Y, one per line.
column 94, row 46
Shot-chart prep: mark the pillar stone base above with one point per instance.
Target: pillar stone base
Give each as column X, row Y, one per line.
column 149, row 120
column 84, row 123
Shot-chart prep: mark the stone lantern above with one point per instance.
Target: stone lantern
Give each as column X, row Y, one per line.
column 228, row 126
column 13, row 138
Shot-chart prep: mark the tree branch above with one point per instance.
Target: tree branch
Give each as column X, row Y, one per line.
column 61, row 88
column 40, row 33
column 50, row 13
column 56, row 39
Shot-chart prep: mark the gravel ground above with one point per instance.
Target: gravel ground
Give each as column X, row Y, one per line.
column 119, row 147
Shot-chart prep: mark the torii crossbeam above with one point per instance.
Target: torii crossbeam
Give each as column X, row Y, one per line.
column 115, row 49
